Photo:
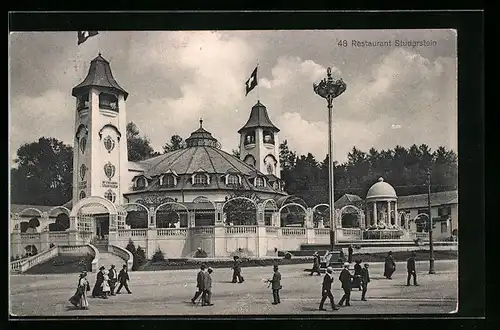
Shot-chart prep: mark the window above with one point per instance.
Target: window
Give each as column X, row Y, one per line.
column 259, row 182
column 250, row 138
column 141, row 182
column 168, row 180
column 200, row 179
column 110, row 195
column 268, row 137
column 108, row 101
column 232, row 180
column 250, row 160
column 444, row 211
column 444, row 228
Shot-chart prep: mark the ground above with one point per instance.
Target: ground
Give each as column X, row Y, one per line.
column 169, row 293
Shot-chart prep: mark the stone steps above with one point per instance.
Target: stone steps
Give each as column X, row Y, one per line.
column 107, row 259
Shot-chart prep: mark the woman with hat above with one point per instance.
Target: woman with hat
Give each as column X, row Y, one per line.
column 79, row 299
column 106, row 290
column 97, row 291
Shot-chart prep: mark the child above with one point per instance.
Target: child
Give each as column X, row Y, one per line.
column 106, row 290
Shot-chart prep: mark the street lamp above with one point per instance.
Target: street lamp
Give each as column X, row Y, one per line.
column 431, row 243
column 330, row 89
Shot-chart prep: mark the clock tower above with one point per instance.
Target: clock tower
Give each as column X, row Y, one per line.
column 100, row 144
column 259, row 144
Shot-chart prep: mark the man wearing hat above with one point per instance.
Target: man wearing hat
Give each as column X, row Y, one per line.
column 200, row 283
column 97, row 291
column 316, row 264
column 345, row 279
column 365, row 279
column 237, row 270
column 326, row 290
column 276, row 285
column 207, row 293
column 123, row 278
column 113, row 277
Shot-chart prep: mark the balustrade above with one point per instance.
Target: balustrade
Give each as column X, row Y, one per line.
column 272, row 230
column 241, row 230
column 321, row 231
column 25, row 264
column 30, row 236
column 202, row 230
column 132, row 232
column 171, row 232
column 293, row 231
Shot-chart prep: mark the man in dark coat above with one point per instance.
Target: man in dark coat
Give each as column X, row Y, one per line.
column 357, row 275
column 113, row 277
column 410, row 267
column 207, row 294
column 365, row 279
column 276, row 285
column 345, row 279
column 389, row 266
column 237, row 270
column 326, row 290
column 316, row 264
column 97, row 291
column 200, row 283
column 123, row 278
column 349, row 253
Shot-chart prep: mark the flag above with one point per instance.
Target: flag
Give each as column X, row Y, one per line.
column 251, row 82
column 84, row 35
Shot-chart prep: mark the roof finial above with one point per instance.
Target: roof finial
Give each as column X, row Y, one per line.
column 99, row 53
column 201, row 123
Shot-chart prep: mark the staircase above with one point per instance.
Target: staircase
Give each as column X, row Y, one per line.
column 107, row 259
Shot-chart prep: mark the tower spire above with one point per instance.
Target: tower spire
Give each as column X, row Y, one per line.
column 201, row 122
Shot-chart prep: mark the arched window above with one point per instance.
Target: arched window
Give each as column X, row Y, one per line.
column 200, row 179
column 268, row 137
column 82, row 194
column 168, row 180
column 232, row 180
column 108, row 101
column 141, row 183
column 110, row 195
column 249, row 138
column 83, row 102
column 259, row 181
column 250, row 160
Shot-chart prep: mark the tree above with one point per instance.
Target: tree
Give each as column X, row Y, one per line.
column 139, row 148
column 44, row 173
column 236, row 152
column 176, row 143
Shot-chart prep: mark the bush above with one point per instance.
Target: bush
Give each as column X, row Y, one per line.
column 139, row 258
column 158, row 256
column 12, row 258
column 51, row 245
column 288, row 256
column 200, row 253
column 131, row 247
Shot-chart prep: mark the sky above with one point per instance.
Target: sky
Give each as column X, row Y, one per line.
column 396, row 95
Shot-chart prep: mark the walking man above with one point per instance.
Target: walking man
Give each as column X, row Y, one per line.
column 345, row 279
column 365, row 279
column 389, row 266
column 410, row 267
column 326, row 290
column 123, row 278
column 207, row 294
column 113, row 277
column 276, row 285
column 316, row 264
column 237, row 270
column 200, row 283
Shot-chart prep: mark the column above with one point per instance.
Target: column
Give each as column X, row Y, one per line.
column 396, row 214
column 191, row 220
column 389, row 212
column 152, row 217
column 219, row 215
column 374, row 217
column 44, row 239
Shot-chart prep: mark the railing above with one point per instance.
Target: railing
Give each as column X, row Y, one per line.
column 122, row 253
column 272, row 230
column 132, row 232
column 20, row 266
column 422, row 236
column 58, row 235
column 171, row 232
column 356, row 232
column 30, row 237
column 383, row 234
column 202, row 230
column 321, row 231
column 241, row 230
column 293, row 231
column 86, row 236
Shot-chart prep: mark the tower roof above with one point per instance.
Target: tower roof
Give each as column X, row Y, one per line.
column 201, row 137
column 99, row 75
column 259, row 118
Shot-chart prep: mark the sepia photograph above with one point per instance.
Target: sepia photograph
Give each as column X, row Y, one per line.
column 233, row 172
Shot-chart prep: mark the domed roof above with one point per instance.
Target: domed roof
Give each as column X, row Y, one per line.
column 381, row 190
column 201, row 137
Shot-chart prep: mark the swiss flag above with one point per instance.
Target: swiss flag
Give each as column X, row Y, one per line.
column 251, row 82
column 84, row 35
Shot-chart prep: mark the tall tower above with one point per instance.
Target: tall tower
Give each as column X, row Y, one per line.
column 259, row 144
column 100, row 143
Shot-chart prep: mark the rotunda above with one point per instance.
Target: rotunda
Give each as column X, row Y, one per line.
column 381, row 204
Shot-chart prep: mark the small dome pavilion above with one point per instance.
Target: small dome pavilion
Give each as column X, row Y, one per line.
column 381, row 203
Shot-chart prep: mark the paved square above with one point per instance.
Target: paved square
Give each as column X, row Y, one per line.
column 169, row 293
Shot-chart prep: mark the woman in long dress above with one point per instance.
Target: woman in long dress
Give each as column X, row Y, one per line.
column 97, row 291
column 389, row 266
column 105, row 285
column 79, row 299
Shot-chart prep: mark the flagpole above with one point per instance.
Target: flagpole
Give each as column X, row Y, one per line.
column 258, row 85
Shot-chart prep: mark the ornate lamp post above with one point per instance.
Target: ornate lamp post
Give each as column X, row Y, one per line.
column 431, row 243
column 330, row 89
